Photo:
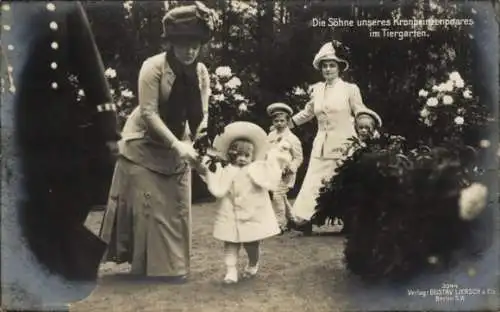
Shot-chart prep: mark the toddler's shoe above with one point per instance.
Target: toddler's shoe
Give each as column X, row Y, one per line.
column 251, row 271
column 231, row 276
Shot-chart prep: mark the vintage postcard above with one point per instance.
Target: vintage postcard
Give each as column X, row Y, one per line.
column 227, row 155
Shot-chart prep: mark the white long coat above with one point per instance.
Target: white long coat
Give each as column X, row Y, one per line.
column 245, row 212
column 334, row 109
column 335, row 113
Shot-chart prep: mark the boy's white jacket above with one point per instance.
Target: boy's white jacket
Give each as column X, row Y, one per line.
column 245, row 212
column 297, row 153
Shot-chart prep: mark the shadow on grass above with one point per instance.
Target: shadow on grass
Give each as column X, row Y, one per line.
column 139, row 279
column 296, row 234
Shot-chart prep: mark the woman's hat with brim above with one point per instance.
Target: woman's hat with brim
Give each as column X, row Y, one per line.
column 371, row 113
column 277, row 108
column 242, row 130
column 191, row 22
column 327, row 53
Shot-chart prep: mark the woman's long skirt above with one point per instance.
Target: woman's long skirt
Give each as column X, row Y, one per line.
column 148, row 220
column 319, row 170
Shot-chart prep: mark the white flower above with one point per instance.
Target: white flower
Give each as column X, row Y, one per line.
column 428, row 122
column 223, row 71
column 127, row 94
column 422, row 93
column 112, row 91
column 110, row 73
column 472, row 201
column 81, row 92
column 455, row 76
column 234, row 83
column 432, row 102
column 433, row 5
column 484, row 143
column 435, row 88
column 128, row 5
column 459, row 83
column 459, row 120
column 243, row 107
column 298, row 91
column 432, row 259
column 239, row 97
column 447, row 86
column 447, row 100
column 424, row 113
column 467, row 94
column 219, row 97
column 218, row 86
column 243, row 7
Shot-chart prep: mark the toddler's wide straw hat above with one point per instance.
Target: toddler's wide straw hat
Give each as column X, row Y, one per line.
column 242, row 130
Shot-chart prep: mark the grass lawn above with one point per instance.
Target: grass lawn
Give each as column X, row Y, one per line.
column 297, row 274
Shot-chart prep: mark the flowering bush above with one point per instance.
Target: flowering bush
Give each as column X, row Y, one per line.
column 298, row 96
column 122, row 96
column 450, row 108
column 227, row 104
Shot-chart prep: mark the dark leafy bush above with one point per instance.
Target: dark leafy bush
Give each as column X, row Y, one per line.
column 400, row 207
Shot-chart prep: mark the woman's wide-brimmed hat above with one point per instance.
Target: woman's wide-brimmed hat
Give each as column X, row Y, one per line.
column 279, row 107
column 242, row 130
column 371, row 113
column 328, row 53
column 195, row 22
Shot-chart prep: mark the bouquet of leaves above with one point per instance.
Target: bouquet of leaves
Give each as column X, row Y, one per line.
column 406, row 211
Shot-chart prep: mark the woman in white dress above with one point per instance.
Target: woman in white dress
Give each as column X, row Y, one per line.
column 333, row 102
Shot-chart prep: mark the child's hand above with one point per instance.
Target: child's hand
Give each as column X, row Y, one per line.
column 198, row 164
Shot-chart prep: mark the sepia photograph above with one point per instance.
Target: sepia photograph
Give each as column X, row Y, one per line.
column 227, row 155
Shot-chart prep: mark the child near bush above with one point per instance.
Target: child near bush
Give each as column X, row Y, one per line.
column 367, row 123
column 281, row 137
column 245, row 215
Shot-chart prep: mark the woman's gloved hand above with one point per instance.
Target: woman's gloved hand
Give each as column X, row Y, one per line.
column 185, row 150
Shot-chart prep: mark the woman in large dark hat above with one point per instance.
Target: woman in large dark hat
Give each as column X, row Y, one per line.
column 148, row 218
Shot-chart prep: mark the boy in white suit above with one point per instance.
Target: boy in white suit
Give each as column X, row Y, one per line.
column 281, row 137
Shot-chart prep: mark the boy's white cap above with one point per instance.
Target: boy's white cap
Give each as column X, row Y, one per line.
column 371, row 113
column 242, row 130
column 279, row 108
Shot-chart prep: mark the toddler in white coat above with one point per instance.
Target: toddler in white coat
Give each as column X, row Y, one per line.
column 245, row 214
